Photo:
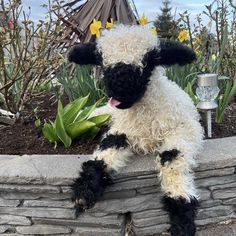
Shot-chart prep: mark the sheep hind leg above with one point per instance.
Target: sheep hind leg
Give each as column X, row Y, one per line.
column 180, row 198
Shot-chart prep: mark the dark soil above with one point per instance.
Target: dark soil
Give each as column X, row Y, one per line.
column 24, row 138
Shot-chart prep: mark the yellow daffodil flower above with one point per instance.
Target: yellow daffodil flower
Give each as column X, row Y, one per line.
column 143, row 20
column 95, row 28
column 110, row 25
column 183, row 35
column 153, row 30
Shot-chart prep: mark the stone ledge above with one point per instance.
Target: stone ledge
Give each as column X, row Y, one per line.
column 62, row 169
column 35, row 197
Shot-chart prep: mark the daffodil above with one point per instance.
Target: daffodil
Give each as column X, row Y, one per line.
column 95, row 28
column 183, row 35
column 143, row 20
column 110, row 25
column 153, row 30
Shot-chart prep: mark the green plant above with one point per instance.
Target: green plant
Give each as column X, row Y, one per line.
column 37, row 121
column 182, row 75
column 74, row 121
column 229, row 90
column 80, row 82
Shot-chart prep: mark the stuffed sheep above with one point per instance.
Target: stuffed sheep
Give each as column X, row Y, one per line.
column 150, row 115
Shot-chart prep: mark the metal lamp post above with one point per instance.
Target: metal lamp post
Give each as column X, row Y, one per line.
column 207, row 92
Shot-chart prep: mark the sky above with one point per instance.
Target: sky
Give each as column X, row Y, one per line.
column 149, row 7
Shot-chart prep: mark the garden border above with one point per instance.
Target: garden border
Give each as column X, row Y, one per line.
column 35, row 194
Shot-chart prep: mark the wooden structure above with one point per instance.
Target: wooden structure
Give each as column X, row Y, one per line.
column 77, row 17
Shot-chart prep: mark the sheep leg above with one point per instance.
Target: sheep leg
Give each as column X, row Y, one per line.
column 180, row 199
column 96, row 174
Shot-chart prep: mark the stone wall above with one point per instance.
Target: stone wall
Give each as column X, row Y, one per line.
column 35, row 195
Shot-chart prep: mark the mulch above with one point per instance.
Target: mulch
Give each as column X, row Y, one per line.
column 24, row 138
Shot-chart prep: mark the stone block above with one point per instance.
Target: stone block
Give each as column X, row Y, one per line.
column 3, row 228
column 224, row 186
column 215, row 172
column 139, row 203
column 148, row 214
column 204, row 194
column 217, row 153
column 40, row 169
column 41, row 212
column 215, row 211
column 13, row 220
column 210, row 203
column 214, row 220
column 152, row 230
column 98, row 231
column 11, row 203
column 46, row 203
column 132, row 184
column 212, row 181
column 29, row 188
column 224, row 193
column 231, row 201
column 151, row 221
column 34, row 196
column 43, row 230
column 119, row 194
column 148, row 190
column 86, row 220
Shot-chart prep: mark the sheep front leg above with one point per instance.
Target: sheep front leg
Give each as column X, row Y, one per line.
column 96, row 174
column 180, row 199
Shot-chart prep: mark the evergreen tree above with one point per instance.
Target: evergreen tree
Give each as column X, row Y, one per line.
column 166, row 26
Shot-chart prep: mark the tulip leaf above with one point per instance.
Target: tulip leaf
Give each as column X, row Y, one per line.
column 71, row 111
column 49, row 133
column 100, row 119
column 85, row 113
column 60, row 129
column 79, row 127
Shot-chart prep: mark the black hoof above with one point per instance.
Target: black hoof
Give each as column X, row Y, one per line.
column 182, row 215
column 90, row 186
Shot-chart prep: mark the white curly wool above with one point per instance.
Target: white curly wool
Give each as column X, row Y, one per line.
column 165, row 118
column 126, row 44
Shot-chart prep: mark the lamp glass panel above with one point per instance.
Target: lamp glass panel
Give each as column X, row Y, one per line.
column 207, row 93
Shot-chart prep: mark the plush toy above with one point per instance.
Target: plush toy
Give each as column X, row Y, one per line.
column 150, row 115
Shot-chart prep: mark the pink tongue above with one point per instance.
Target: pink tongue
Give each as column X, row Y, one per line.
column 113, row 102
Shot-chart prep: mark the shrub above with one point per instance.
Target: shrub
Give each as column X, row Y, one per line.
column 27, row 54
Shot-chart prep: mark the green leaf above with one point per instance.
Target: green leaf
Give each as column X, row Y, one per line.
column 72, row 109
column 91, row 134
column 100, row 119
column 60, row 129
column 78, row 128
column 85, row 113
column 49, row 133
column 37, row 123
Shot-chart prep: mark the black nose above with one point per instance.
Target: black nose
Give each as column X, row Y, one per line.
column 125, row 83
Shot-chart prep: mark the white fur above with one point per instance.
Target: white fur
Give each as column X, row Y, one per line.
column 114, row 158
column 126, row 44
column 164, row 119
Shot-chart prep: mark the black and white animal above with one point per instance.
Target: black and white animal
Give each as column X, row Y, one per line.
column 150, row 115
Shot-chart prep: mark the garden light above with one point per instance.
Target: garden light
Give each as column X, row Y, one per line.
column 207, row 92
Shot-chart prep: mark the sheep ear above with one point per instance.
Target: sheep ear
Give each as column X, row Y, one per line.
column 85, row 54
column 175, row 53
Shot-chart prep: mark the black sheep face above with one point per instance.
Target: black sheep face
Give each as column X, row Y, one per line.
column 128, row 55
